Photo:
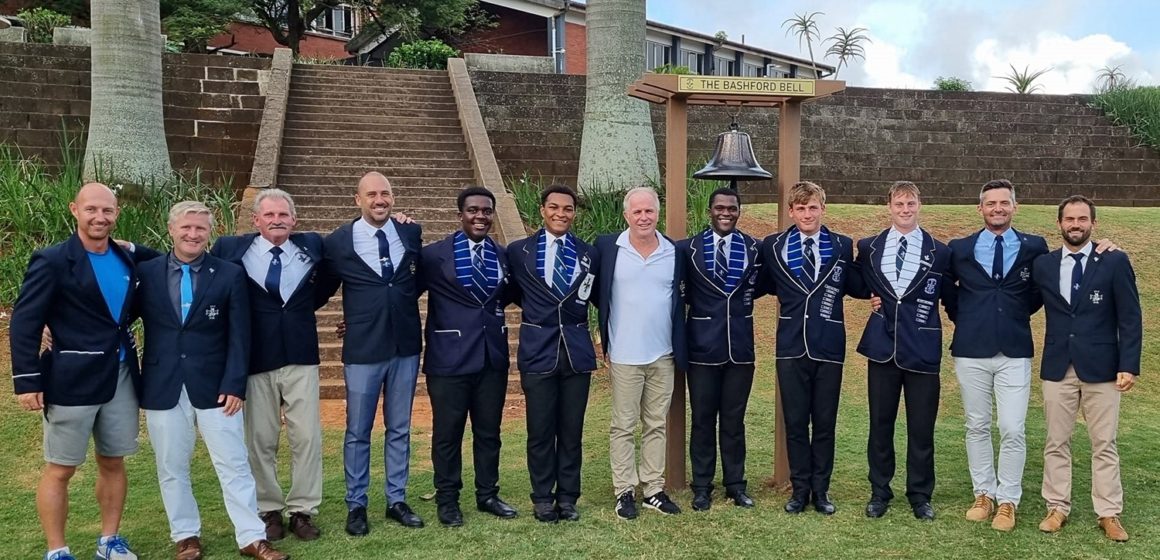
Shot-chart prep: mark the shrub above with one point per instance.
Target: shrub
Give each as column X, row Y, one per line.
column 951, row 83
column 1138, row 108
column 430, row 54
column 40, row 22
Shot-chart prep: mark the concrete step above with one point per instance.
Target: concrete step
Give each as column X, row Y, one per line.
column 417, row 128
column 432, row 230
column 418, row 168
column 403, row 204
column 438, row 162
column 366, row 72
column 427, row 110
column 368, row 139
column 433, row 151
column 401, row 183
column 419, row 214
column 370, row 121
column 355, row 94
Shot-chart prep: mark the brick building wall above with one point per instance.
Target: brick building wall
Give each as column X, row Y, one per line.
column 516, row 33
column 258, row 40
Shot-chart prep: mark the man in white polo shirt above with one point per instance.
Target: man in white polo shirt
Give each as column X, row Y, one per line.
column 641, row 312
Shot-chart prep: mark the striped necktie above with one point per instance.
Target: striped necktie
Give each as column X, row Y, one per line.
column 809, row 261
column 721, row 264
column 479, row 276
column 561, row 274
column 900, row 258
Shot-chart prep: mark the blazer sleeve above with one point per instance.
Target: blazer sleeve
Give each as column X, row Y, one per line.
column 855, row 282
column 29, row 316
column 949, row 292
column 328, row 279
column 142, row 253
column 238, row 359
column 1129, row 325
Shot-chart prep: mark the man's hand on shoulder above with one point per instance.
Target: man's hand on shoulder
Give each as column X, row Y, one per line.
column 1103, row 245
column 402, row 218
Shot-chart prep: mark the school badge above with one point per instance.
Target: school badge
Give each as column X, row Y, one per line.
column 586, row 287
column 212, row 312
column 413, row 268
column 836, row 275
column 303, row 257
column 931, row 284
column 1096, row 297
column 1025, row 274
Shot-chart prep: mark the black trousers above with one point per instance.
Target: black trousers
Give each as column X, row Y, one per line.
column 921, row 391
column 810, row 390
column 453, row 398
column 718, row 396
column 555, row 404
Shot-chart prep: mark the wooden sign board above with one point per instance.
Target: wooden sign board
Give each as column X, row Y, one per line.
column 779, row 87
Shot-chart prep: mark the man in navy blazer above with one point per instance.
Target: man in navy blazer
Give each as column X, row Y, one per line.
column 1091, row 354
column 811, row 269
column 722, row 268
column 82, row 291
column 906, row 267
column 195, row 310
column 553, row 273
column 376, row 258
column 282, row 268
column 641, row 295
column 466, row 359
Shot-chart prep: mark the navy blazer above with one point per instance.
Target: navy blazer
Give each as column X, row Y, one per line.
column 1100, row 333
column 811, row 320
column 60, row 291
column 993, row 317
column 547, row 322
column 381, row 314
column 607, row 249
column 464, row 336
column 907, row 329
column 209, row 353
column 281, row 334
column 719, row 325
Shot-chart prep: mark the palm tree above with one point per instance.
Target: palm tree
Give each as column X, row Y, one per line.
column 126, row 122
column 617, row 149
column 805, row 26
column 1023, row 82
column 846, row 45
column 1111, row 77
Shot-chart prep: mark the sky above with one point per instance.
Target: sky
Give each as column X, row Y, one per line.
column 916, row 41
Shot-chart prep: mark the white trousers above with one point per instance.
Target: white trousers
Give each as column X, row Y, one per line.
column 173, row 437
column 1008, row 381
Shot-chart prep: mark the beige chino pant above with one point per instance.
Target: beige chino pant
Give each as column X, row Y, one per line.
column 292, row 390
column 1100, row 403
column 640, row 394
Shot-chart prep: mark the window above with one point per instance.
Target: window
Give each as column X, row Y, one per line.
column 723, row 66
column 750, row 70
column 777, row 71
column 694, row 60
column 655, row 54
column 337, row 21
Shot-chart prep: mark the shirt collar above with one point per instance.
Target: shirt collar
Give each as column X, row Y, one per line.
column 914, row 235
column 263, row 245
column 664, row 246
column 195, row 265
column 718, row 237
column 1009, row 236
column 1086, row 250
column 550, row 239
column 369, row 230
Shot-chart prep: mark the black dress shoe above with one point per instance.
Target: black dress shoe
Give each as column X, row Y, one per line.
column 567, row 512
column 796, row 504
column 702, row 500
column 402, row 513
column 546, row 513
column 823, row 505
column 356, row 522
column 740, row 499
column 450, row 515
column 877, row 507
column 923, row 511
column 497, row 507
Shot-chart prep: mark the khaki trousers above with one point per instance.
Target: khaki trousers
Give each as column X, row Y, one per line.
column 291, row 390
column 640, row 393
column 1100, row 402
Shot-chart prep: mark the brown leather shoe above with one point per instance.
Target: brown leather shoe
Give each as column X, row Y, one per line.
column 1004, row 518
column 982, row 509
column 275, row 530
column 1054, row 521
column 1113, row 529
column 189, row 549
column 303, row 527
column 263, row 550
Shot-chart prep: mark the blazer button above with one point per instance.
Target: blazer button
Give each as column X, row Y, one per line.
column 390, row 284
column 183, row 356
column 1072, row 335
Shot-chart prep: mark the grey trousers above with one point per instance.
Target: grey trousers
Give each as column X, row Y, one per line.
column 1006, row 381
column 291, row 391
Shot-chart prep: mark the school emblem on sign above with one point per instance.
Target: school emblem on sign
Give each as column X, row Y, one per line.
column 212, row 312
column 1096, row 297
column 931, row 284
column 1025, row 274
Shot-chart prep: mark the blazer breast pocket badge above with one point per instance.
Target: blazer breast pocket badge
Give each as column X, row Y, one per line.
column 212, row 312
column 1096, row 297
column 931, row 284
column 1025, row 274
column 586, row 287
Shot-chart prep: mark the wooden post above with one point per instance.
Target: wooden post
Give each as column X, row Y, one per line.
column 676, row 144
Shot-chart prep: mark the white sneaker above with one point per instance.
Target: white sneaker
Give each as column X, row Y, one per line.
column 114, row 548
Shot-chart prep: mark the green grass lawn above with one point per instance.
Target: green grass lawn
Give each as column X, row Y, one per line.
column 723, row 532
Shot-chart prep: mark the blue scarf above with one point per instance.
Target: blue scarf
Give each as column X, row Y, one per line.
column 568, row 256
column 481, row 288
column 736, row 259
column 794, row 252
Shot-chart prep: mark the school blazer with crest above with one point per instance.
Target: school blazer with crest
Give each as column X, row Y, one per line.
column 719, row 325
column 811, row 320
column 281, row 334
column 464, row 336
column 1100, row 333
column 60, row 291
column 993, row 317
column 381, row 314
column 552, row 328
column 907, row 329
column 208, row 353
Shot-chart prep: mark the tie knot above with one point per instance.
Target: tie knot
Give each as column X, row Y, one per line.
column 276, row 251
column 380, row 234
column 477, row 249
column 1078, row 257
column 721, row 244
column 809, row 242
column 998, row 240
column 185, row 269
column 559, row 242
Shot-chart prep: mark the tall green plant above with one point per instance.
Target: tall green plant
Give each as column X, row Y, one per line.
column 39, row 23
column 431, row 54
column 805, row 27
column 951, row 83
column 847, row 45
column 1138, row 108
column 1023, row 82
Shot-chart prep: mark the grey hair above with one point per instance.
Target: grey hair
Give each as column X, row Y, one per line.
column 189, row 207
column 275, row 194
column 642, row 189
column 997, row 184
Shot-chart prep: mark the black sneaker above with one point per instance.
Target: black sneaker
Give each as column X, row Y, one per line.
column 662, row 503
column 626, row 505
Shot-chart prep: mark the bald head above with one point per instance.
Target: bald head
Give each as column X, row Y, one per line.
column 99, row 190
column 95, row 209
column 375, row 198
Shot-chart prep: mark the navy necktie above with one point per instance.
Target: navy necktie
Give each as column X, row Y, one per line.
column 274, row 274
column 479, row 276
column 1076, row 275
column 721, row 264
column 900, row 258
column 560, row 273
column 385, row 255
column 809, row 262
column 186, row 291
column 997, row 264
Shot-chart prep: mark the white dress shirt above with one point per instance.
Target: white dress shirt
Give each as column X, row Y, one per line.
column 640, row 323
column 1067, row 265
column 295, row 264
column 729, row 248
column 550, row 259
column 901, row 282
column 367, row 245
column 817, row 237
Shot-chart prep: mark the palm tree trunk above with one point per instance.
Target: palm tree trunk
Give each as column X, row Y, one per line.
column 126, row 121
column 617, row 149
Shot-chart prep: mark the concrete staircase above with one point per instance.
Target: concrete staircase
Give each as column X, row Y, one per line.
column 342, row 122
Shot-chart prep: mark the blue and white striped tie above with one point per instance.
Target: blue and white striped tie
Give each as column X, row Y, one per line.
column 560, row 273
column 479, row 283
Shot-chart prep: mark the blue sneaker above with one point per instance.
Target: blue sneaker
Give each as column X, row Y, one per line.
column 114, row 548
column 61, row 555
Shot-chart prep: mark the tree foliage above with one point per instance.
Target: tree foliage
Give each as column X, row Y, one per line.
column 951, row 83
column 192, row 23
column 846, row 45
column 805, row 27
column 429, row 54
column 1110, row 78
column 1023, row 82
column 39, row 23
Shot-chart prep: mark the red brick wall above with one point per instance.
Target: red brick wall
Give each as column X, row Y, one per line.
column 256, row 39
column 575, row 49
column 517, row 33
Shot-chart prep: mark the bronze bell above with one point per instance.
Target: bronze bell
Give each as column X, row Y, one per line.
column 733, row 160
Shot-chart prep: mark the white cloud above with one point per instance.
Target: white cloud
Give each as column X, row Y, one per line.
column 1074, row 63
column 883, row 68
